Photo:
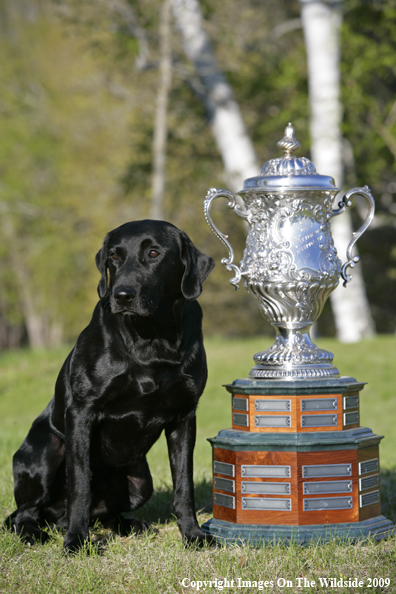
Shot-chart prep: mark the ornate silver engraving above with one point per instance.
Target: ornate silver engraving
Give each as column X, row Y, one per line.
column 290, row 264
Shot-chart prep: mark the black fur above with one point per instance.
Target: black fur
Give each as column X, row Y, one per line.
column 138, row 368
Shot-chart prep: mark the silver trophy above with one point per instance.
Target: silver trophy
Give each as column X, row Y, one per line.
column 290, row 265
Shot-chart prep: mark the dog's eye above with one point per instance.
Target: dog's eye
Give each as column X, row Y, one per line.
column 114, row 256
column 153, row 254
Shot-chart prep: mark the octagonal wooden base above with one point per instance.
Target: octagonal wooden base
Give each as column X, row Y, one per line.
column 299, row 465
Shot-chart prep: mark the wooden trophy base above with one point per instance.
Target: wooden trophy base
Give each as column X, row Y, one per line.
column 296, row 465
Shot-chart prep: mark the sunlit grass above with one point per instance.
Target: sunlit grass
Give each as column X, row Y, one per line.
column 159, row 563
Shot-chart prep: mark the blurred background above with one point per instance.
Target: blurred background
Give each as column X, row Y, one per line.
column 117, row 110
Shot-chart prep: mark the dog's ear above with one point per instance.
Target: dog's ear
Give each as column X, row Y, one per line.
column 101, row 262
column 197, row 267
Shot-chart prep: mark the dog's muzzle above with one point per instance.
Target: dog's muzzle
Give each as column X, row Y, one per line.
column 124, row 296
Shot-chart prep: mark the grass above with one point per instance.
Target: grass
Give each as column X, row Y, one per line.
column 159, row 563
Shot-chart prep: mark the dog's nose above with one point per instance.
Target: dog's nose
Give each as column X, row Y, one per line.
column 124, row 295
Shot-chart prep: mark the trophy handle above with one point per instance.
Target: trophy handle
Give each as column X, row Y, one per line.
column 232, row 203
column 346, row 202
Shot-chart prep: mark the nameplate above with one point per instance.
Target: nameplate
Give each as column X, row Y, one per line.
column 326, row 470
column 224, row 484
column 224, row 500
column 328, row 503
column 262, row 488
column 351, row 418
column 265, row 471
column 369, row 482
column 319, row 404
column 369, row 498
column 351, row 402
column 240, row 419
column 223, row 468
column 266, row 504
column 240, row 403
column 272, row 420
column 369, row 466
column 272, row 405
column 327, row 487
column 319, row 421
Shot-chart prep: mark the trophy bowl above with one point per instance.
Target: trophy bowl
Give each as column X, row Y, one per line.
column 290, row 264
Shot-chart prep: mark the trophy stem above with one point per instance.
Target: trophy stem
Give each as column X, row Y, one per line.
column 293, row 356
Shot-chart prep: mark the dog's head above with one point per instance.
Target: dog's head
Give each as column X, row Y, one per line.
column 144, row 262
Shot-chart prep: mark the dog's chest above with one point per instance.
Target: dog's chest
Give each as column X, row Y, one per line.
column 134, row 418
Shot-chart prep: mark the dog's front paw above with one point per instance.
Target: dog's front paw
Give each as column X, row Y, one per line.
column 73, row 542
column 197, row 538
column 30, row 533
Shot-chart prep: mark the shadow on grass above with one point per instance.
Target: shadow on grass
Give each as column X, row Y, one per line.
column 159, row 508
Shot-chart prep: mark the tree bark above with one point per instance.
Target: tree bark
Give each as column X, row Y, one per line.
column 321, row 25
column 34, row 321
column 230, row 134
column 160, row 125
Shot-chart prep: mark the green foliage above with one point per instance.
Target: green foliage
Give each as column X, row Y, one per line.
column 77, row 115
column 62, row 147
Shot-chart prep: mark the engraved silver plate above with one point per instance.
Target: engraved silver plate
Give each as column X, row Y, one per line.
column 351, row 418
column 328, row 503
column 319, row 404
column 369, row 466
column 224, row 484
column 369, row 498
column 369, row 482
column 224, row 468
column 240, row 403
column 265, row 471
column 319, row 420
column 326, row 470
column 265, row 488
column 328, row 487
column 224, row 500
column 240, row 419
column 272, row 405
column 351, row 402
column 265, row 503
column 272, row 420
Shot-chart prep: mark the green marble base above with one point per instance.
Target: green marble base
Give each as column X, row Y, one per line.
column 227, row 533
column 350, row 439
column 342, row 385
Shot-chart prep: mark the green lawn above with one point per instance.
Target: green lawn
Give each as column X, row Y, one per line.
column 160, row 563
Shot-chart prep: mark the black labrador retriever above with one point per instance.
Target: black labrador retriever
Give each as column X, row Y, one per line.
column 138, row 368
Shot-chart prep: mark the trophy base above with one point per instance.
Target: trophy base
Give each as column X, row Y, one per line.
column 293, row 356
column 228, row 533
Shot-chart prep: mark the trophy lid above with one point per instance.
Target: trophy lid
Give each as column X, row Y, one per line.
column 289, row 172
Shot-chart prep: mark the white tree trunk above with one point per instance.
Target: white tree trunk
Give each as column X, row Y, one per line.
column 232, row 139
column 321, row 25
column 161, row 114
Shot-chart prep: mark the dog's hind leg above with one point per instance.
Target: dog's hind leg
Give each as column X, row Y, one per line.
column 36, row 465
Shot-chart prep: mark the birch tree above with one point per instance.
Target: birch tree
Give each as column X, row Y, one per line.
column 160, row 124
column 229, row 131
column 321, row 25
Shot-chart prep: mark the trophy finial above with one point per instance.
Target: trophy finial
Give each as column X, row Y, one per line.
column 289, row 144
